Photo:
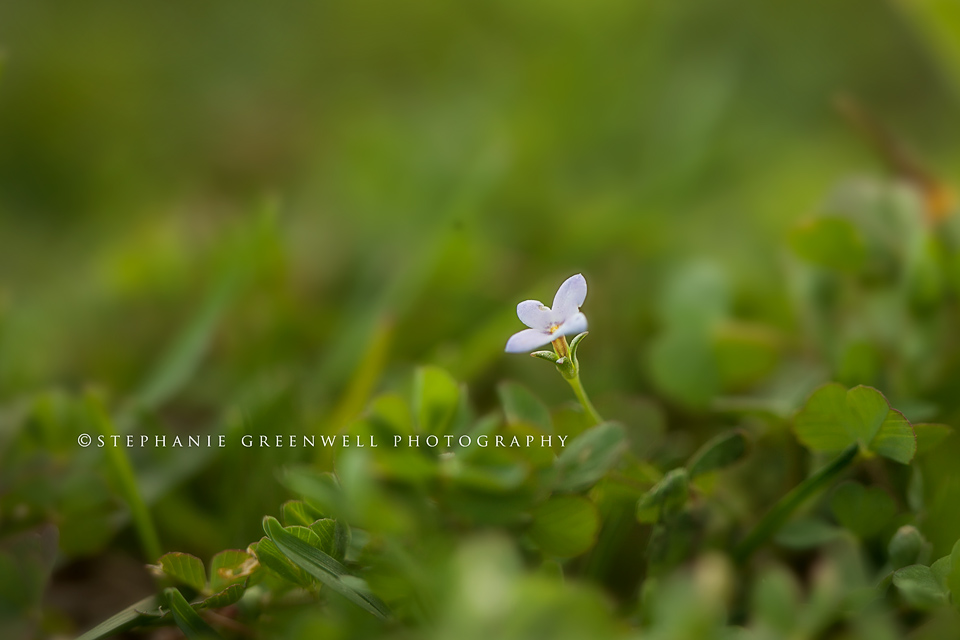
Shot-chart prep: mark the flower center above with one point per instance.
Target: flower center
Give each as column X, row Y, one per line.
column 554, row 328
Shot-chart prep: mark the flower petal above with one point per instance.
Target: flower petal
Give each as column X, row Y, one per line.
column 527, row 340
column 533, row 314
column 570, row 296
column 573, row 325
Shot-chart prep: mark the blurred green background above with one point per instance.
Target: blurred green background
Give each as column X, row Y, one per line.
column 424, row 162
column 239, row 216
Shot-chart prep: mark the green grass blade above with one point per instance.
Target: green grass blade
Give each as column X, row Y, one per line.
column 182, row 359
column 189, row 621
column 126, row 619
column 120, row 465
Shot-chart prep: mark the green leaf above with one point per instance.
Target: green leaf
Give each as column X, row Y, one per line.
column 684, row 367
column 919, row 586
column 392, row 411
column 807, row 533
column 270, row 557
column 436, row 396
column 834, row 418
column 229, row 567
column 189, row 621
column 133, row 616
column 565, row 526
column 829, row 241
column 224, row 598
column 696, row 295
column 953, row 578
column 575, row 344
column 745, row 353
column 297, row 512
column 718, row 452
column 185, row 569
column 589, row 456
column 775, row 600
column 549, row 356
column 323, row 489
column 862, row 510
column 665, row 498
column 521, row 406
column 324, row 568
column 334, row 537
column 942, row 569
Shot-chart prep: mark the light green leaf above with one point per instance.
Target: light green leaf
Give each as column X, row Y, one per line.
column 665, row 498
column 297, row 512
column 270, row 557
column 565, row 526
column 324, row 568
column 684, row 367
column 718, row 452
column 185, row 569
column 862, row 510
column 334, row 537
column 834, row 418
column 436, row 396
column 919, row 586
column 696, row 295
column 229, row 567
column 521, row 406
column 589, row 456
column 942, row 569
column 829, row 241
column 392, row 411
column 189, row 621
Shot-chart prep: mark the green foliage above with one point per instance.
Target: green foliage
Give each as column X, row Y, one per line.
column 565, row 526
column 832, row 242
column 189, row 621
column 665, row 498
column 920, row 587
column 436, row 397
column 521, row 406
column 907, row 547
column 304, row 552
column 862, row 510
column 137, row 614
column 589, row 456
column 718, row 452
column 835, row 418
column 184, row 569
column 150, row 289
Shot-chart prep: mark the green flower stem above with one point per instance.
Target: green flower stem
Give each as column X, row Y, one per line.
column 119, row 463
column 778, row 515
column 584, row 400
column 569, row 368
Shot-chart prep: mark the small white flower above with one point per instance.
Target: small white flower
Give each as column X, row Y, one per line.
column 546, row 323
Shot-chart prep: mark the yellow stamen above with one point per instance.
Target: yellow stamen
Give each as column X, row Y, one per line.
column 560, row 345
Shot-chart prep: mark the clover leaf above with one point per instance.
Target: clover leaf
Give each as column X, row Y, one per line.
column 835, row 418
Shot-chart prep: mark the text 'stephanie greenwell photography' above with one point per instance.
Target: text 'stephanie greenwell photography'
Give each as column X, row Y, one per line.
column 480, row 321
